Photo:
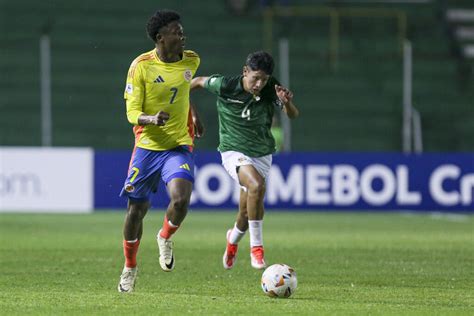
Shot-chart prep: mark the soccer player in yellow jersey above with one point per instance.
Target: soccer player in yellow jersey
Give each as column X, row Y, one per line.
column 157, row 98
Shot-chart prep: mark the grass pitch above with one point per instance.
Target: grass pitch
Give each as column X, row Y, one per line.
column 347, row 264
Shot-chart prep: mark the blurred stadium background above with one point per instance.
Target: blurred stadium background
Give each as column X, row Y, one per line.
column 345, row 61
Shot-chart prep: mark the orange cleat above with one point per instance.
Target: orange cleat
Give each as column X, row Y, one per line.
column 230, row 254
column 257, row 258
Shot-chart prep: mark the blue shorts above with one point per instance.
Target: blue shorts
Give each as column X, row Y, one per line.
column 148, row 166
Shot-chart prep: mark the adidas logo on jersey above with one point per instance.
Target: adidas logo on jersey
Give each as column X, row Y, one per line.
column 159, row 79
column 185, row 166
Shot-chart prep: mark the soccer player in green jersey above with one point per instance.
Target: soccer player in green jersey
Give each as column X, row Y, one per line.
column 246, row 104
column 157, row 99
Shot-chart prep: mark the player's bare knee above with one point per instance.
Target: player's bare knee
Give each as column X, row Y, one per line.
column 180, row 204
column 257, row 188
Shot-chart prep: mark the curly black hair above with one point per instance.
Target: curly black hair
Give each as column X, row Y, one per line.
column 160, row 19
column 260, row 61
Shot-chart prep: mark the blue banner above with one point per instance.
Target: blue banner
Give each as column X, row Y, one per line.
column 318, row 181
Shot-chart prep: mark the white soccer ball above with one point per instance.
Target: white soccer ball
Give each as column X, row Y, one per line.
column 279, row 280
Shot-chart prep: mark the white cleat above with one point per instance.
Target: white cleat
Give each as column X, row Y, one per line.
column 165, row 247
column 127, row 280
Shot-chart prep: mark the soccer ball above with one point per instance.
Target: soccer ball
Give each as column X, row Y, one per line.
column 279, row 280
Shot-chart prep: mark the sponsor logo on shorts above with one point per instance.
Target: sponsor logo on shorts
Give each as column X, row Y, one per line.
column 185, row 166
column 243, row 159
column 129, row 188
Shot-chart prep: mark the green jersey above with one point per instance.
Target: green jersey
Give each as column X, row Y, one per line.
column 245, row 120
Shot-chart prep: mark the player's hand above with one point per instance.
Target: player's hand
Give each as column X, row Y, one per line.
column 283, row 94
column 198, row 127
column 161, row 118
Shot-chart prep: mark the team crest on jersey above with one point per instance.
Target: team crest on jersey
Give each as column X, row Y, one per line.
column 129, row 88
column 188, row 75
column 129, row 188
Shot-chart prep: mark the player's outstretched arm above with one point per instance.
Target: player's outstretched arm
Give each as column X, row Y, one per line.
column 198, row 82
column 286, row 97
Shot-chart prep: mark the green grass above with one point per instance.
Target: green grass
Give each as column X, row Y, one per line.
column 347, row 264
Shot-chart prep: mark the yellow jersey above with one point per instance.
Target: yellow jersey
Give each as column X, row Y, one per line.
column 153, row 86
